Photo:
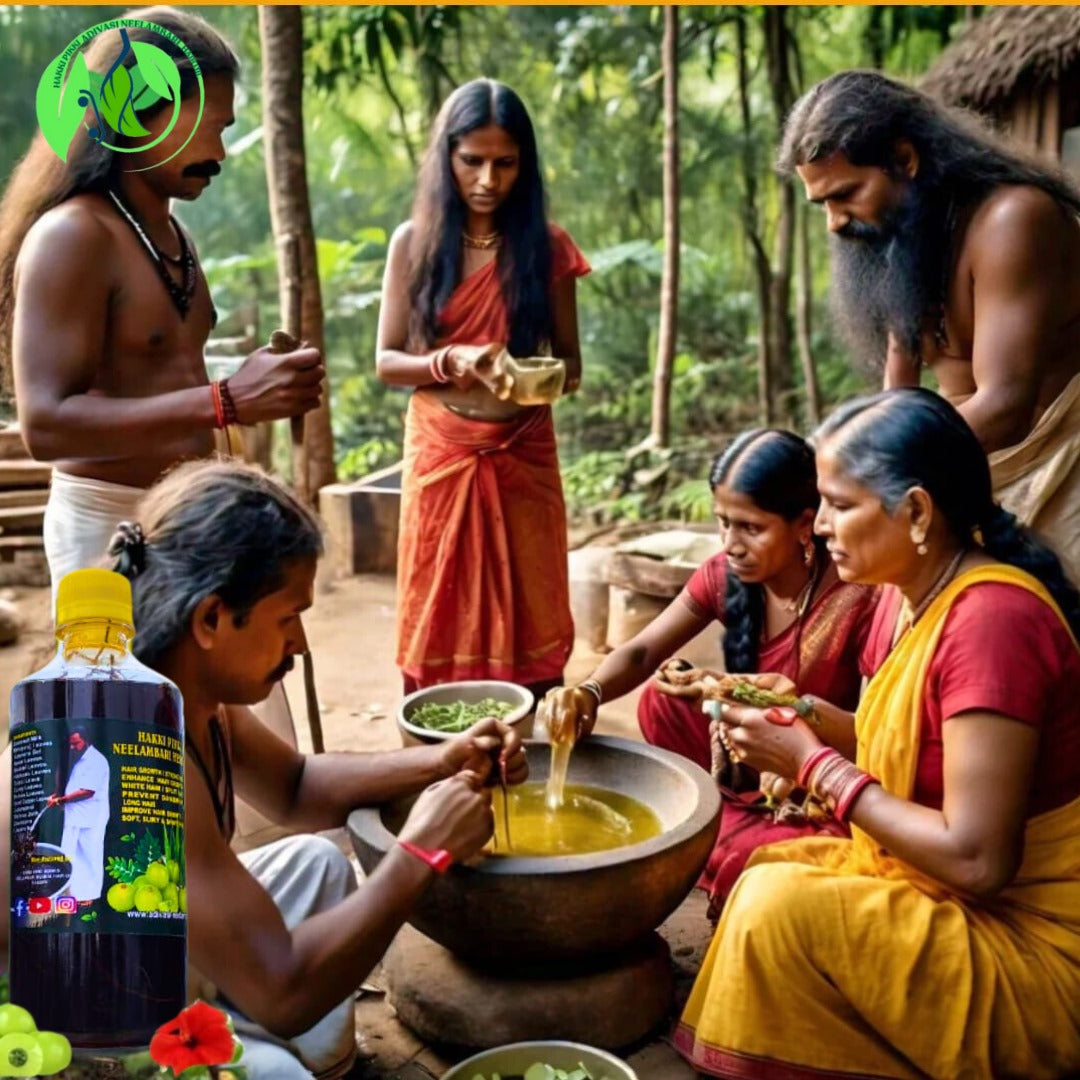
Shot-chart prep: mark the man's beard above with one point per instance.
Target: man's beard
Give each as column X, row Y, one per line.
column 888, row 279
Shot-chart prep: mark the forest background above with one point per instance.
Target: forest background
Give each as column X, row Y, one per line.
column 746, row 334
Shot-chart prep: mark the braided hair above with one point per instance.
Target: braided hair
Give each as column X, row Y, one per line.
column 775, row 469
column 899, row 439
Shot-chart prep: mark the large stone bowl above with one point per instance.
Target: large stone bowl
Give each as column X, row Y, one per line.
column 545, row 911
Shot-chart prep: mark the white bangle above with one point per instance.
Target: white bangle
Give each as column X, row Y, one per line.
column 594, row 688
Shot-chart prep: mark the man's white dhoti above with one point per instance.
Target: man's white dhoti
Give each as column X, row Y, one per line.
column 304, row 875
column 1039, row 479
column 80, row 518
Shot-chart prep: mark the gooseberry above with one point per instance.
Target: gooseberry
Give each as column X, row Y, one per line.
column 14, row 1019
column 20, row 1054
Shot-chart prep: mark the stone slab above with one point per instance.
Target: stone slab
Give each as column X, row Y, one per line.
column 445, row 1001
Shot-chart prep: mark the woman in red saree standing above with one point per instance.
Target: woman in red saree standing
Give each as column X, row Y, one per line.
column 482, row 572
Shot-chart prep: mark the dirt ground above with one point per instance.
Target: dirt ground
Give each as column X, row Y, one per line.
column 351, row 632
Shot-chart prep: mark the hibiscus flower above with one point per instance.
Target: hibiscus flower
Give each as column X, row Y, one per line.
column 200, row 1035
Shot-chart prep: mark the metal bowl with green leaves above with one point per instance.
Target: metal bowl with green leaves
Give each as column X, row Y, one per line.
column 443, row 712
column 521, row 1060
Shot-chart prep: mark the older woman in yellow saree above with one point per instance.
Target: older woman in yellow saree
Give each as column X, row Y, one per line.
column 943, row 939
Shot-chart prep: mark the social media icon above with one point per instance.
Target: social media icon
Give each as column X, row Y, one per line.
column 67, row 905
column 21, row 908
column 40, row 905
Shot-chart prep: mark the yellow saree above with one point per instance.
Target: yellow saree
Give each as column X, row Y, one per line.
column 835, row 959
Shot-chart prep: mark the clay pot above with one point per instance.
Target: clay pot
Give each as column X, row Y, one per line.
column 543, row 911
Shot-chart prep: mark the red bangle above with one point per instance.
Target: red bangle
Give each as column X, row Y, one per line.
column 808, row 766
column 844, row 803
column 219, row 411
column 440, row 861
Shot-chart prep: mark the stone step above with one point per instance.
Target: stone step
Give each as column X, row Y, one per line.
column 25, row 473
column 34, row 496
column 22, row 519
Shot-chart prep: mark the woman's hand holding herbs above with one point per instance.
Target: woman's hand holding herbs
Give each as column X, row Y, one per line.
column 679, row 678
column 775, row 683
column 772, row 740
column 487, row 745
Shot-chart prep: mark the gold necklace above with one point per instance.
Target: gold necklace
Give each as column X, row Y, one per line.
column 801, row 601
column 482, row 243
column 798, row 603
column 912, row 615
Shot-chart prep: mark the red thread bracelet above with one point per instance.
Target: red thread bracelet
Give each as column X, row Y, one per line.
column 440, row 860
column 219, row 411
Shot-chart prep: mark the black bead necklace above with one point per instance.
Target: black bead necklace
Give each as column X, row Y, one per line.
column 181, row 294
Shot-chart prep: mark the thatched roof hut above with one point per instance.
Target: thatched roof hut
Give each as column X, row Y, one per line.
column 1021, row 67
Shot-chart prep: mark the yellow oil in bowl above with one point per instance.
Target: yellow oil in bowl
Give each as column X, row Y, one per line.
column 590, row 819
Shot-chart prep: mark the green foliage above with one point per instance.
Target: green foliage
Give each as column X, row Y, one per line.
column 591, row 79
column 640, row 484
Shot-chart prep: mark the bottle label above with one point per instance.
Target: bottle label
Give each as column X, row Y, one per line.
column 97, row 828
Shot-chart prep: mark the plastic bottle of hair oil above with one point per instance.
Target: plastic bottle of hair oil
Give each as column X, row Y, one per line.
column 98, row 905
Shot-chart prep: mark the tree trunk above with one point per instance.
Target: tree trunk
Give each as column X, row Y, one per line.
column 281, row 36
column 778, row 61
column 804, row 320
column 669, row 280
column 762, row 266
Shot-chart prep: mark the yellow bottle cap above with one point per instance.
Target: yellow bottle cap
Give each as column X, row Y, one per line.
column 94, row 594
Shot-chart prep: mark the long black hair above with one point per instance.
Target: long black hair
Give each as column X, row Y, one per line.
column 900, row 439
column 863, row 114
column 42, row 181
column 776, row 470
column 438, row 219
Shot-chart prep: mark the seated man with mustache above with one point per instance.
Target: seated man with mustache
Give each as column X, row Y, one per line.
column 222, row 566
column 953, row 252
column 104, row 310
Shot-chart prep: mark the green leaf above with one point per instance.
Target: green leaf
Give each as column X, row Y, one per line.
column 238, row 1051
column 116, row 106
column 148, row 851
column 122, row 869
column 159, row 71
column 59, row 109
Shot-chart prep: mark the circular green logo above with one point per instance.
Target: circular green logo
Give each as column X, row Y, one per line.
column 75, row 102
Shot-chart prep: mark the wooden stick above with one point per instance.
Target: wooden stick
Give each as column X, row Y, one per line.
column 291, row 300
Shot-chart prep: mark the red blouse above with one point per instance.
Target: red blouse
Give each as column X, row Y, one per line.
column 823, row 658
column 1002, row 650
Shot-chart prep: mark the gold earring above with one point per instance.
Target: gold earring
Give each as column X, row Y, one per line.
column 808, row 553
column 920, row 544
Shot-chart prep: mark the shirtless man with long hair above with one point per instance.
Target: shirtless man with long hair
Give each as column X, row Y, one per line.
column 104, row 310
column 954, row 252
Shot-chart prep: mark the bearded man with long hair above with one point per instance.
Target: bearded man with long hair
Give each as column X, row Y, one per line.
column 954, row 252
